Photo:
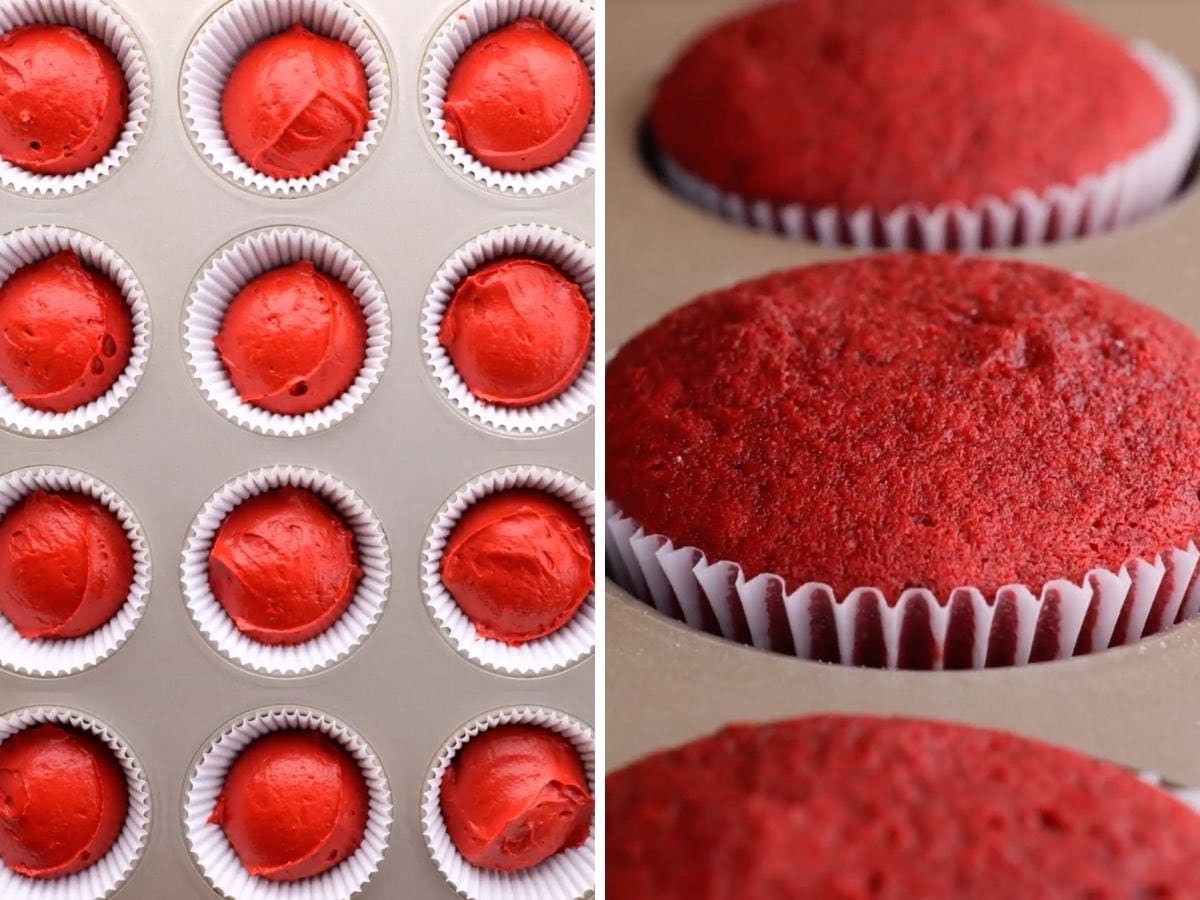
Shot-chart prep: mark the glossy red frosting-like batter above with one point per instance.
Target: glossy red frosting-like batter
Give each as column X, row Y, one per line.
column 295, row 103
column 294, row 805
column 519, row 564
column 63, row 99
column 65, row 565
column 63, row 801
column 514, row 796
column 518, row 332
column 284, row 566
column 293, row 340
column 519, row 98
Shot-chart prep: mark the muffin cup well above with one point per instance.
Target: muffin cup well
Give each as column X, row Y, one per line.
column 107, row 874
column 235, row 265
column 223, row 40
column 568, row 875
column 212, row 852
column 574, row 641
column 99, row 20
column 29, row 245
column 334, row 644
column 572, row 20
column 965, row 630
column 66, row 656
column 569, row 255
column 1118, row 196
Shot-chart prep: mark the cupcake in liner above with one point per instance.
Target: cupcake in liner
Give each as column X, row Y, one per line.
column 98, row 19
column 66, row 656
column 29, row 245
column 569, row 255
column 106, row 875
column 227, row 35
column 1121, row 194
column 567, row 875
column 573, row 20
column 244, row 259
column 573, row 642
column 210, row 849
column 334, row 644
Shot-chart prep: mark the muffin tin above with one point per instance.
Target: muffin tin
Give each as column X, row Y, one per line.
column 404, row 448
column 667, row 683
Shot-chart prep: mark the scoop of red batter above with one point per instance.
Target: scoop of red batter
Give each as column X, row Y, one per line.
column 63, row 800
column 514, row 796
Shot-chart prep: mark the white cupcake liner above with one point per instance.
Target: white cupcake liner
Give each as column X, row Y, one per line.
column 106, row 875
column 211, row 850
column 224, row 39
column 1121, row 194
column 99, row 20
column 573, row 642
column 29, row 245
column 1020, row 624
column 574, row 21
column 244, row 259
column 53, row 656
column 342, row 638
column 568, row 875
column 576, row 260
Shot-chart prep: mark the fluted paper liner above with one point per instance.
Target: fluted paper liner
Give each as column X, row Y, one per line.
column 568, row 875
column 29, row 245
column 244, row 259
column 214, row 855
column 99, row 20
column 107, row 874
column 337, row 642
column 574, row 641
column 574, row 259
column 66, row 656
column 224, row 39
column 1121, row 194
column 574, row 21
column 1018, row 625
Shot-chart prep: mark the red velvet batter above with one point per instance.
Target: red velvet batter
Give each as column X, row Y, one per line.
column 875, row 103
column 911, row 420
column 514, row 796
column 63, row 99
column 284, row 566
column 62, row 801
column 519, row 98
column 518, row 332
column 294, row 805
column 890, row 809
column 519, row 564
column 65, row 565
column 293, row 340
column 295, row 103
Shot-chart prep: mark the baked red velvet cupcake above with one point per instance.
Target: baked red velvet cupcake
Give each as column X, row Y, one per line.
column 890, row 809
column 953, row 434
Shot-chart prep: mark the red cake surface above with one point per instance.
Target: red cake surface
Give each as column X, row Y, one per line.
column 873, row 103
column 295, row 103
column 294, row 805
column 911, row 421
column 284, row 566
column 65, row 333
column 519, row 98
column 65, row 565
column 514, row 796
column 63, row 99
column 890, row 809
column 63, row 800
column 518, row 332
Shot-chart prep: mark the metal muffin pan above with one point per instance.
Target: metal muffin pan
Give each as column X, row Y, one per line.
column 407, row 449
